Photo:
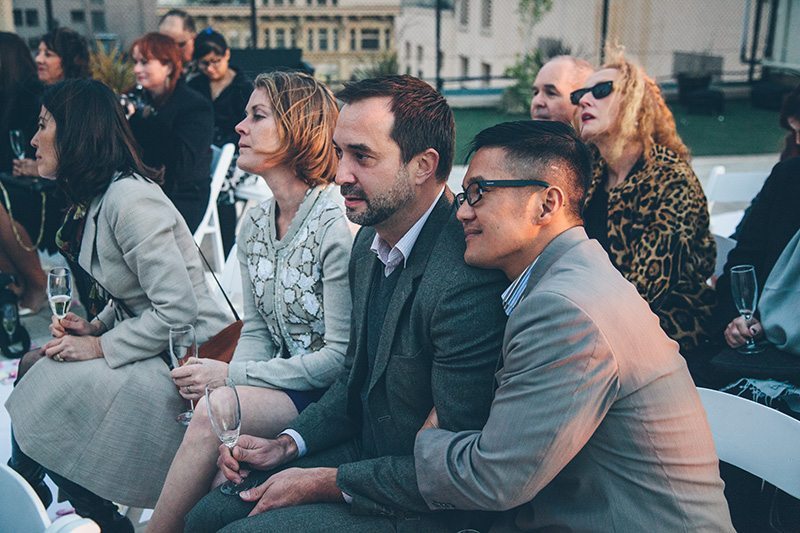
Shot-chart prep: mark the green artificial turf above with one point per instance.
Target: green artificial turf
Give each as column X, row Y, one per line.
column 742, row 130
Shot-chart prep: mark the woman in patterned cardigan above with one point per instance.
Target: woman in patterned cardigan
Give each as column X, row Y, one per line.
column 645, row 205
column 294, row 251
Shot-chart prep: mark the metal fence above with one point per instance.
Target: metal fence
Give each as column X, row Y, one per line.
column 460, row 45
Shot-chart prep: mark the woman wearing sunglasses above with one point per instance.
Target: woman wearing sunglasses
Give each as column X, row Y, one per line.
column 645, row 205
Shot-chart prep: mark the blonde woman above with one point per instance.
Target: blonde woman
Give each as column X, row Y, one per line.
column 645, row 204
column 294, row 251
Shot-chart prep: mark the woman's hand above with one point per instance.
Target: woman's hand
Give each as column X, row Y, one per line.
column 72, row 324
column 25, row 167
column 738, row 331
column 192, row 377
column 70, row 348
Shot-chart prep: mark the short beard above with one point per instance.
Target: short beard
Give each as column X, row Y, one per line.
column 381, row 207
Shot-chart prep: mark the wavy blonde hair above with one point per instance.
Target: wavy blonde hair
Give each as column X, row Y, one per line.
column 305, row 113
column 643, row 113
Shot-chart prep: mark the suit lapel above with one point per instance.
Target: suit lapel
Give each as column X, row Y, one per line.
column 89, row 239
column 406, row 284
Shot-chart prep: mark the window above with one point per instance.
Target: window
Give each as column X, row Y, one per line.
column 370, row 39
column 31, row 17
column 486, row 73
column 486, row 14
column 408, row 51
column 98, row 21
column 267, row 41
column 464, row 60
column 280, row 38
column 420, row 54
column 387, row 39
column 322, row 39
column 310, row 40
column 408, row 70
column 353, row 40
column 292, row 38
column 463, row 18
column 277, row 2
column 77, row 16
column 335, row 38
column 322, row 2
column 18, row 17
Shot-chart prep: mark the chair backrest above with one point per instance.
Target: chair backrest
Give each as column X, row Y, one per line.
column 21, row 511
column 755, row 438
column 218, row 172
column 724, row 247
column 725, row 186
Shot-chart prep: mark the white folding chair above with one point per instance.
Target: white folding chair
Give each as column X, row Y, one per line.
column 755, row 438
column 724, row 247
column 231, row 281
column 731, row 187
column 210, row 223
column 21, row 511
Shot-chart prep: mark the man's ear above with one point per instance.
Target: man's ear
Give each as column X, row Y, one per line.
column 424, row 165
column 553, row 201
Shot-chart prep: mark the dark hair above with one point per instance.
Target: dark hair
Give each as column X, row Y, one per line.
column 73, row 50
column 188, row 20
column 93, row 139
column 422, row 117
column 16, row 63
column 790, row 108
column 533, row 147
column 209, row 41
column 164, row 49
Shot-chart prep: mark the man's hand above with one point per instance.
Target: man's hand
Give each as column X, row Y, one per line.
column 261, row 454
column 294, row 486
column 432, row 422
column 70, row 348
column 192, row 378
column 739, row 331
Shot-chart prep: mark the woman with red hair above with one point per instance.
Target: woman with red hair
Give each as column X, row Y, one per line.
column 173, row 124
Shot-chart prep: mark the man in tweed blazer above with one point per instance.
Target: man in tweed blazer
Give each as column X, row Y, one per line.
column 426, row 332
column 595, row 424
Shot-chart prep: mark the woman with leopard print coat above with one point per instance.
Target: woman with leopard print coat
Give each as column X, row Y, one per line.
column 645, row 204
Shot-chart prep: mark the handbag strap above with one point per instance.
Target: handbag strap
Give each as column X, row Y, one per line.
column 233, row 309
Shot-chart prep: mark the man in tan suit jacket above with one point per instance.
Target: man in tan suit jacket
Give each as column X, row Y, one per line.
column 595, row 424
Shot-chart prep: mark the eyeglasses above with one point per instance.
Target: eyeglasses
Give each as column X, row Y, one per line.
column 474, row 191
column 205, row 63
column 599, row 91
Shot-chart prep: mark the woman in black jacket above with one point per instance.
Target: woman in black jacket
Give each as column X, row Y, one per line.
column 228, row 88
column 175, row 127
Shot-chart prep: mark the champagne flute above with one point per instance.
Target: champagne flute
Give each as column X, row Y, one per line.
column 224, row 413
column 17, row 139
column 59, row 291
column 744, row 289
column 182, row 346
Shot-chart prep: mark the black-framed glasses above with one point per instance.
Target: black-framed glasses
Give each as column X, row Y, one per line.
column 474, row 191
column 205, row 63
column 598, row 90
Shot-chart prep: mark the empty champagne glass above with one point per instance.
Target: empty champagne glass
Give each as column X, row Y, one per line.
column 17, row 139
column 182, row 346
column 744, row 288
column 225, row 416
column 59, row 291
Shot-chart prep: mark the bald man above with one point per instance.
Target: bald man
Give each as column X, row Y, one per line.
column 555, row 80
column 179, row 25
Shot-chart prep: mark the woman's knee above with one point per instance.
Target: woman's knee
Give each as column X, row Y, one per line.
column 27, row 361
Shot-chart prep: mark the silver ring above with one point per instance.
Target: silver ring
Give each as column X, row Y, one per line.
column 57, row 357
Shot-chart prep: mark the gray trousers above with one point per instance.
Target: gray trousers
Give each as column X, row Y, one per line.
column 228, row 513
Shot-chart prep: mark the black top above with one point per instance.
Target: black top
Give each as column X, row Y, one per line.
column 178, row 138
column 772, row 222
column 229, row 107
column 595, row 217
column 19, row 111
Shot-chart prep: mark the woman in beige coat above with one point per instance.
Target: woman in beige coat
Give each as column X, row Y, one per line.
column 97, row 409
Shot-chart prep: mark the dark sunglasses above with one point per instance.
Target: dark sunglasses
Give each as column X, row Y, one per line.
column 474, row 191
column 599, row 91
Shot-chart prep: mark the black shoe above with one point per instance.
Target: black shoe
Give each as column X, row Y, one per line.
column 43, row 492
column 109, row 521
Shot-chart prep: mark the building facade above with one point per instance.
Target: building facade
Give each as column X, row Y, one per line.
column 337, row 37
column 117, row 21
